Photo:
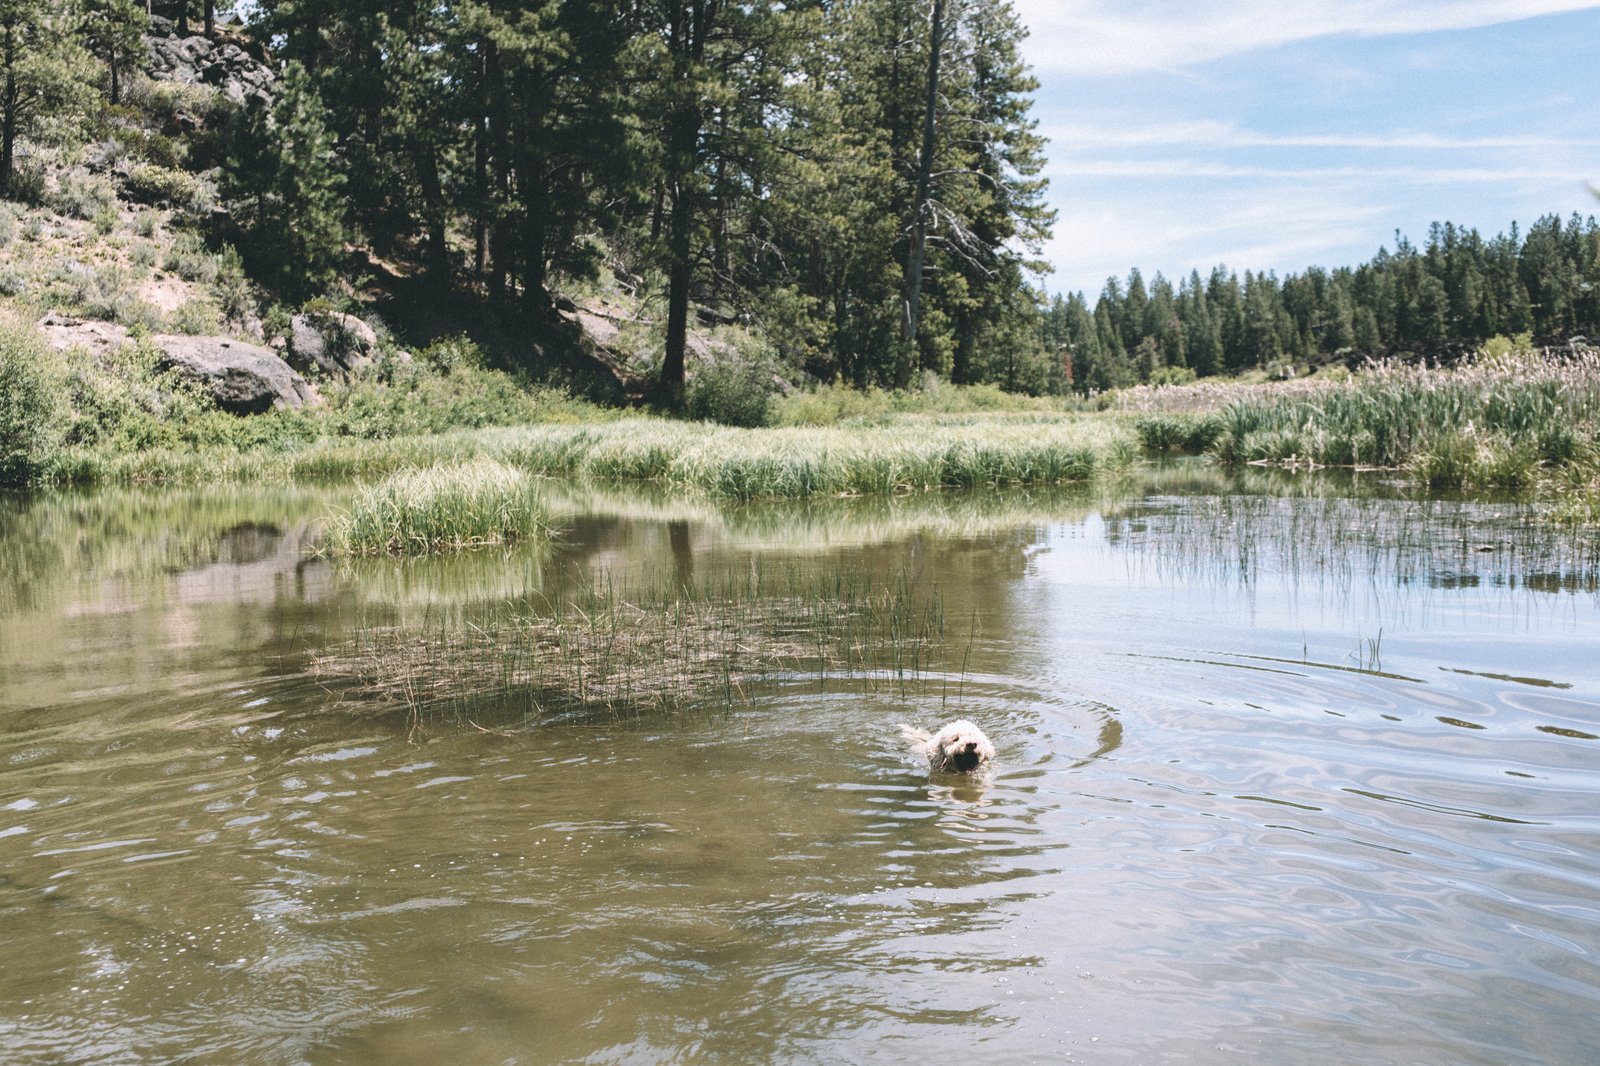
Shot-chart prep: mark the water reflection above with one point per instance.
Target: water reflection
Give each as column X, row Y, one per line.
column 1283, row 770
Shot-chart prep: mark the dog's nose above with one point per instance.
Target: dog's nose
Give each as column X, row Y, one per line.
column 972, row 745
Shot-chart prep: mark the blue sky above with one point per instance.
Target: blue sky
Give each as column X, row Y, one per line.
column 1274, row 135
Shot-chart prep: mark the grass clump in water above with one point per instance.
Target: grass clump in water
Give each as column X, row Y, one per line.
column 443, row 508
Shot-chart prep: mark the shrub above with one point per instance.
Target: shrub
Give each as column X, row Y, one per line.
column 83, row 196
column 144, row 255
column 151, row 147
column 151, row 183
column 235, row 297
column 1171, row 375
column 733, row 392
column 453, row 353
column 30, row 406
column 188, row 258
column 27, row 184
column 828, row 405
column 197, row 317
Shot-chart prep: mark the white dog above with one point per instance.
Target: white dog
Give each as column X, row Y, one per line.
column 959, row 747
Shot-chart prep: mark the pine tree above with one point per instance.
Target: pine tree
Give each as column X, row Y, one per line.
column 289, row 192
column 43, row 73
column 113, row 30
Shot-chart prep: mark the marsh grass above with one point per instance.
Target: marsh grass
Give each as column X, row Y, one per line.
column 1494, row 421
column 909, row 455
column 1192, row 434
column 646, row 648
column 440, row 508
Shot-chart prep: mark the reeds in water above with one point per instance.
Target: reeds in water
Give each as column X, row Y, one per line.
column 647, row 648
column 442, row 508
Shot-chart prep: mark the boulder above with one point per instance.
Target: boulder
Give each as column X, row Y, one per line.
column 64, row 333
column 245, row 379
column 330, row 343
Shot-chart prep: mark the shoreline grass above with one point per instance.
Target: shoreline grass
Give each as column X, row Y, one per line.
column 1517, row 420
column 907, row 455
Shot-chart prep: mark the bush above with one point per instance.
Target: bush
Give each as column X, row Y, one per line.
column 829, row 405
column 27, row 184
column 30, row 406
column 189, row 259
column 453, row 353
column 235, row 297
column 197, row 317
column 150, row 183
column 151, row 147
column 733, row 392
column 83, row 196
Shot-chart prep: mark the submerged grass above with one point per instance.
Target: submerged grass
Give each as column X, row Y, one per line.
column 652, row 647
column 442, row 508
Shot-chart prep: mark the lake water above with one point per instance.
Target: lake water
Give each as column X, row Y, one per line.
column 1289, row 771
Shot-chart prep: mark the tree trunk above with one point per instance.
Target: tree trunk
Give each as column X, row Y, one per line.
column 919, row 206
column 438, row 256
column 499, row 249
column 8, row 127
column 211, row 18
column 679, row 274
column 691, row 25
column 480, row 173
column 535, row 240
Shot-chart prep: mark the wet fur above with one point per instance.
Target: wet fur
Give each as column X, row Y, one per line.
column 958, row 748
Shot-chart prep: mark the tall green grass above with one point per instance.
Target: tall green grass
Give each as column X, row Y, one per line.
column 1493, row 421
column 904, row 456
column 441, row 508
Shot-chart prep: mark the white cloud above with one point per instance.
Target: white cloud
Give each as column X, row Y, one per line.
column 1185, row 168
column 1287, row 230
column 1125, row 36
column 1221, row 135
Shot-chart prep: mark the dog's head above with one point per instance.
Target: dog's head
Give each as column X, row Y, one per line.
column 961, row 747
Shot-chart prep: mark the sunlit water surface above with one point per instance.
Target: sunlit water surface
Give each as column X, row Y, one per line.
column 1286, row 774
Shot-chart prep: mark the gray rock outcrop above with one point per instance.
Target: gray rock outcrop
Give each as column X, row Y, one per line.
column 64, row 332
column 222, row 63
column 334, row 344
column 245, row 379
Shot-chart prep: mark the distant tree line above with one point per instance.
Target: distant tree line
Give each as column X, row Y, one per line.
column 1451, row 295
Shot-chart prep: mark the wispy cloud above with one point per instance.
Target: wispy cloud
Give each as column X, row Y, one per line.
column 1185, row 168
column 1100, row 237
column 1221, row 135
column 1126, row 36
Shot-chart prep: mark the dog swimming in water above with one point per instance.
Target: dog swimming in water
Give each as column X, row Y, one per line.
column 958, row 748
